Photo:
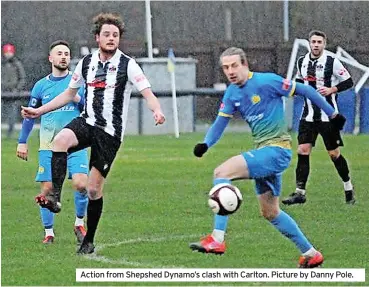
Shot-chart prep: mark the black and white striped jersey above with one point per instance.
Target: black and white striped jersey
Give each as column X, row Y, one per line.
column 108, row 87
column 323, row 71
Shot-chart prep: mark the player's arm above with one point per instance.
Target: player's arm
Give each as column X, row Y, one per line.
column 306, row 91
column 344, row 78
column 59, row 101
column 216, row 130
column 27, row 125
column 154, row 105
column 139, row 80
column 212, row 136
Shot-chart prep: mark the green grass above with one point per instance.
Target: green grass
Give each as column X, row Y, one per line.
column 157, row 190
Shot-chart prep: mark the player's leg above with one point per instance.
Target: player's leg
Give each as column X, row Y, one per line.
column 233, row 168
column 78, row 169
column 47, row 217
column 73, row 137
column 103, row 151
column 332, row 140
column 268, row 182
column 306, row 140
column 268, row 190
column 44, row 177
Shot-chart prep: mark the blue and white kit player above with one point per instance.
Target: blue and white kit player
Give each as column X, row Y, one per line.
column 258, row 97
column 44, row 91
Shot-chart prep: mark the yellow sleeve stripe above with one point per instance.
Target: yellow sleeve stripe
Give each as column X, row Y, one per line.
column 225, row 115
column 292, row 89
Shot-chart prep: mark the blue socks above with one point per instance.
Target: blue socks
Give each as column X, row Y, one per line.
column 80, row 202
column 47, row 217
column 289, row 228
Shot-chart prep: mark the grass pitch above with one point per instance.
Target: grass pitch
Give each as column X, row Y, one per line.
column 155, row 204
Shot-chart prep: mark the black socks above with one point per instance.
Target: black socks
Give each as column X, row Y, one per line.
column 302, row 170
column 342, row 168
column 94, row 210
column 58, row 171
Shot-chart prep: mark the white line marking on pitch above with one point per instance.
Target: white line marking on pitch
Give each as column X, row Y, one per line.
column 122, row 261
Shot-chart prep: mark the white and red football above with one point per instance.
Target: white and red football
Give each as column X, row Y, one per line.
column 224, row 199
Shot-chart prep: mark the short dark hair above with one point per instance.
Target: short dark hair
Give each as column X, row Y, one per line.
column 107, row 18
column 317, row 33
column 57, row 43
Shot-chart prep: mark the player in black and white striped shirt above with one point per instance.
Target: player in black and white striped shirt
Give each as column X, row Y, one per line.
column 108, row 75
column 329, row 77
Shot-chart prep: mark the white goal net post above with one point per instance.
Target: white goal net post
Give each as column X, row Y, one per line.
column 359, row 72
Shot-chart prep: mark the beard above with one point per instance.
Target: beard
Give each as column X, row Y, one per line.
column 317, row 53
column 61, row 67
column 110, row 52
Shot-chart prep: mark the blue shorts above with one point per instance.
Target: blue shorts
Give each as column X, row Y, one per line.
column 77, row 163
column 266, row 166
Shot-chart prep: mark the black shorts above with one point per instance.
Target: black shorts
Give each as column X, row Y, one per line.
column 308, row 132
column 104, row 147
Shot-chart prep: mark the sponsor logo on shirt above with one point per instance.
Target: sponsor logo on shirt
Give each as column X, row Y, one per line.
column 67, row 108
column 97, row 84
column 319, row 67
column 254, row 117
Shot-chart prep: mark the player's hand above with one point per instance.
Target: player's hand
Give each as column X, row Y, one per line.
column 200, row 149
column 159, row 117
column 22, row 151
column 338, row 121
column 30, row 113
column 325, row 91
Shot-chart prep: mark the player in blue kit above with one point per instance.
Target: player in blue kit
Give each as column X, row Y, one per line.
column 258, row 97
column 43, row 92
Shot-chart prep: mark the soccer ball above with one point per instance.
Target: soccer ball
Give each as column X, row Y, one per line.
column 224, row 199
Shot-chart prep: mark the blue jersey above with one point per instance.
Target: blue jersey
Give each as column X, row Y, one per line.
column 53, row 122
column 261, row 104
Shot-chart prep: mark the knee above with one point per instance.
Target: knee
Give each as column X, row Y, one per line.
column 94, row 192
column 80, row 185
column 334, row 154
column 269, row 214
